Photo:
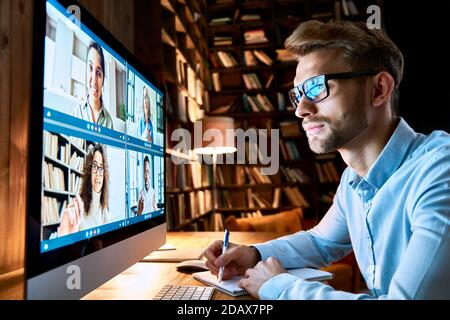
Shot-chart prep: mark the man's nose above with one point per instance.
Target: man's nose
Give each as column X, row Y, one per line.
column 305, row 108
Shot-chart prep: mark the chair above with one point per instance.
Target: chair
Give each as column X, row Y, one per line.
column 346, row 272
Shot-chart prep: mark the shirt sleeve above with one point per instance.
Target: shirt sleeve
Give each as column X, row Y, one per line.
column 423, row 271
column 327, row 242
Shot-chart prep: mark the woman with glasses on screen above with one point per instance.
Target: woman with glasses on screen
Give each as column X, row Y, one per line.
column 90, row 208
column 92, row 108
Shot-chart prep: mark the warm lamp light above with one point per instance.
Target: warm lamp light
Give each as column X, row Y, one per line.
column 214, row 136
column 214, row 142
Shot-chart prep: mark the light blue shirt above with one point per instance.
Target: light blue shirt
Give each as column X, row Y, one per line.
column 395, row 219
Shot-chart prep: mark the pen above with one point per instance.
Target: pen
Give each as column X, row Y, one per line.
column 224, row 248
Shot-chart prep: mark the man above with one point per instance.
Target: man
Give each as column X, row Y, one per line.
column 147, row 196
column 392, row 206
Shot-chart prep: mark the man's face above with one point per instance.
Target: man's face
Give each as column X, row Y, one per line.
column 330, row 124
column 147, row 175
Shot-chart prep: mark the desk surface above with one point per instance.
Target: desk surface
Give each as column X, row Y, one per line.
column 144, row 279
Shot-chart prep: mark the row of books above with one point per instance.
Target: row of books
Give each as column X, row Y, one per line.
column 250, row 58
column 187, row 77
column 241, row 175
column 54, row 178
column 184, row 176
column 222, row 41
column 56, row 148
column 264, row 200
column 74, row 183
column 258, row 199
column 76, row 162
column 295, row 175
column 51, row 209
column 252, row 81
column 296, row 197
column 237, row 16
column 289, row 150
column 186, row 206
column 227, row 175
column 223, row 59
column 79, row 143
column 341, row 8
column 255, row 36
column 235, row 106
column 257, row 103
column 327, row 172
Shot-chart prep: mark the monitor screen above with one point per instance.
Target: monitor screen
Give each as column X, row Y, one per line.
column 102, row 156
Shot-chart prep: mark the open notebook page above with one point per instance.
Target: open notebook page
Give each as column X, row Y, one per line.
column 230, row 286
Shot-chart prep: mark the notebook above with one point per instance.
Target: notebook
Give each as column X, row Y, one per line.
column 231, row 288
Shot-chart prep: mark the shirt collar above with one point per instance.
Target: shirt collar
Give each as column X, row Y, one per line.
column 87, row 106
column 390, row 159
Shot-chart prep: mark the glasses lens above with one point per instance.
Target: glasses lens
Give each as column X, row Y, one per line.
column 98, row 170
column 315, row 88
column 295, row 96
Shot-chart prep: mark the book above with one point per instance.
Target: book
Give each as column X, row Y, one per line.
column 231, row 287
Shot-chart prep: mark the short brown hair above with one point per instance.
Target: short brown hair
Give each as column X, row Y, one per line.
column 362, row 47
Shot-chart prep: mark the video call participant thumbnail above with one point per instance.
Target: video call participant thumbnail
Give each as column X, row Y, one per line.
column 92, row 108
column 145, row 123
column 90, row 208
column 147, row 196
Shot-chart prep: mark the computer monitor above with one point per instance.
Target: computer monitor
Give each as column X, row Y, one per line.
column 96, row 183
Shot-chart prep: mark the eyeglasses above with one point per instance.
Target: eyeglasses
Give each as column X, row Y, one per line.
column 316, row 89
column 97, row 169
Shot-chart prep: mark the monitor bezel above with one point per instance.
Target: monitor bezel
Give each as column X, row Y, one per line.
column 37, row 263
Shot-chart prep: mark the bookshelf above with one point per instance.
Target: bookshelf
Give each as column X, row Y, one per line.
column 225, row 57
column 251, row 74
column 62, row 171
column 178, row 57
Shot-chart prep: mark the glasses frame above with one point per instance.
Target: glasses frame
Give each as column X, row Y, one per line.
column 299, row 90
column 95, row 171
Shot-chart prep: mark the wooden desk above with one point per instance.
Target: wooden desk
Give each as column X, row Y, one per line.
column 144, row 279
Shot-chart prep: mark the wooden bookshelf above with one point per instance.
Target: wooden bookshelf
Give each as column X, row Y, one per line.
column 274, row 20
column 173, row 47
column 248, row 69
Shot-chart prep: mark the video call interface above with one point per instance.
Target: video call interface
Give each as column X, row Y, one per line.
column 103, row 165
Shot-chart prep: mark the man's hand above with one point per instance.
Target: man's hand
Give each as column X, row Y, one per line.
column 261, row 273
column 237, row 259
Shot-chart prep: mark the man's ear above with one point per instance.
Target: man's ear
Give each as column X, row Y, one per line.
column 383, row 86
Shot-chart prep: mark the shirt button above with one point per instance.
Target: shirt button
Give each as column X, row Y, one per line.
column 366, row 205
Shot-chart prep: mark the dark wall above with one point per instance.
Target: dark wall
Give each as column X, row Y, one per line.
column 422, row 33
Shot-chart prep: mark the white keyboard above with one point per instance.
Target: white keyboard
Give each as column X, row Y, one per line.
column 172, row 292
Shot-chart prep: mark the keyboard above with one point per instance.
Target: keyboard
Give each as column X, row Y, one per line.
column 172, row 292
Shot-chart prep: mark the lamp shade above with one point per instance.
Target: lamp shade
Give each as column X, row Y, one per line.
column 214, row 135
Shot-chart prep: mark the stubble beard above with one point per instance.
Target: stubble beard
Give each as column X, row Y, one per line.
column 343, row 130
